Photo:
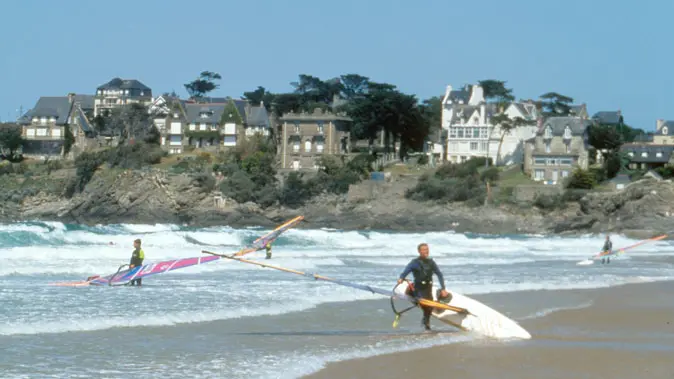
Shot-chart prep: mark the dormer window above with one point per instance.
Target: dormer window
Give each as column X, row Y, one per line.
column 567, row 132
column 548, row 132
column 665, row 130
column 320, row 127
column 476, row 120
column 658, row 154
column 644, row 155
column 297, row 126
column 631, row 154
column 206, row 114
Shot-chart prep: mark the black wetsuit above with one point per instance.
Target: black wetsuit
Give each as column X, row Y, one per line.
column 608, row 246
column 137, row 260
column 423, row 270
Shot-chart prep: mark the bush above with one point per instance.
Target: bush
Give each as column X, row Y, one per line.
column 455, row 182
column 582, row 179
column 548, row 202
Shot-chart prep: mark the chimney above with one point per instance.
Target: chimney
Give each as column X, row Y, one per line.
column 71, row 97
column 659, row 123
column 448, row 91
column 483, row 114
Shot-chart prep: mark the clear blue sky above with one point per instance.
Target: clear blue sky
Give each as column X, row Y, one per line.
column 608, row 54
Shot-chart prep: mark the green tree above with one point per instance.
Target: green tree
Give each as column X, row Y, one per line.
column 555, row 104
column 231, row 114
column 260, row 95
column 496, row 90
column 11, row 139
column 604, row 137
column 202, row 85
column 581, row 179
column 507, row 125
column 68, row 139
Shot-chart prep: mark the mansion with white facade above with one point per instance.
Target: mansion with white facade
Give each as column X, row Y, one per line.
column 467, row 119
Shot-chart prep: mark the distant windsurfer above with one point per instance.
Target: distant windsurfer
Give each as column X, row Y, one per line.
column 608, row 246
column 136, row 260
column 423, row 269
column 268, row 248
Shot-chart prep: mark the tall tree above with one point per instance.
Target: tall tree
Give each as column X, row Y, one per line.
column 495, row 90
column 11, row 139
column 354, row 85
column 260, row 95
column 555, row 104
column 130, row 122
column 202, row 85
column 507, row 125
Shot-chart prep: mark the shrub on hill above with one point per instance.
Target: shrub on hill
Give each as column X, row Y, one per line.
column 455, row 183
column 126, row 156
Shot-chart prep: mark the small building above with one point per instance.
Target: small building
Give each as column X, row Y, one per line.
column 560, row 145
column 305, row 137
column 119, row 92
column 620, row 182
column 645, row 156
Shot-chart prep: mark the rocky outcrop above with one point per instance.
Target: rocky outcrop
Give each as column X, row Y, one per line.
column 642, row 209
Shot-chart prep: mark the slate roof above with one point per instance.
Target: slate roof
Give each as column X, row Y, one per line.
column 117, row 83
column 85, row 101
column 460, row 95
column 82, row 121
column 651, row 152
column 670, row 128
column 577, row 125
column 608, row 117
column 194, row 112
column 468, row 110
column 49, row 106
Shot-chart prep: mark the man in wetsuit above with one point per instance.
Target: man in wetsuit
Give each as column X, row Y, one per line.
column 608, row 246
column 136, row 260
column 268, row 248
column 423, row 269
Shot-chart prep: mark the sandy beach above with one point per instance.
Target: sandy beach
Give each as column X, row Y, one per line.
column 626, row 332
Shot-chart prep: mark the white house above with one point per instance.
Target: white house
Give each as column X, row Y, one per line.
column 467, row 118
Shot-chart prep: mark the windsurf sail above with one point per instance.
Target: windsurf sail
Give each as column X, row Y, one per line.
column 619, row 251
column 375, row 290
column 122, row 277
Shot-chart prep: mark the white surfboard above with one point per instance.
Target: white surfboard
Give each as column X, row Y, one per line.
column 482, row 318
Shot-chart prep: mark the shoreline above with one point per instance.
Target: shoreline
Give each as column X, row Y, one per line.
column 597, row 341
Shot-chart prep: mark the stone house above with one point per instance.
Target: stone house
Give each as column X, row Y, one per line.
column 304, row 137
column 43, row 127
column 560, row 145
column 221, row 123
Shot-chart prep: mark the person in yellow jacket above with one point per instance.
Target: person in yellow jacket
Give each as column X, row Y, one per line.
column 268, row 248
column 136, row 260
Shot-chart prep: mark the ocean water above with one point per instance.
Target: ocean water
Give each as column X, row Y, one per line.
column 232, row 320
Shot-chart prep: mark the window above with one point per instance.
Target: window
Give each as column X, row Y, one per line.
column 202, row 126
column 551, row 162
column 452, row 132
column 484, row 146
column 665, row 130
column 296, row 164
column 460, row 132
column 229, row 141
column 565, row 173
column 548, row 132
column 547, row 147
column 658, row 154
column 476, row 121
column 539, row 161
column 307, row 146
column 204, row 115
column 297, row 126
column 644, row 154
column 319, row 147
column 484, row 133
column 631, row 154
column 296, row 147
column 320, row 127
column 566, row 148
column 567, row 132
column 539, row 174
column 565, row 161
column 476, row 132
column 473, row 146
column 192, row 126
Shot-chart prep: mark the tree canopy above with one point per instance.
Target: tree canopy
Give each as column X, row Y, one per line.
column 202, row 85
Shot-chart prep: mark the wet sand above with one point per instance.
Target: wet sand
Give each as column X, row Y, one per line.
column 627, row 332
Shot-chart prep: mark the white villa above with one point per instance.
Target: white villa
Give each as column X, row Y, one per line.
column 467, row 118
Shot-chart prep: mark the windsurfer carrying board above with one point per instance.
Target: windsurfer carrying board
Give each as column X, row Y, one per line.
column 608, row 246
column 423, row 269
